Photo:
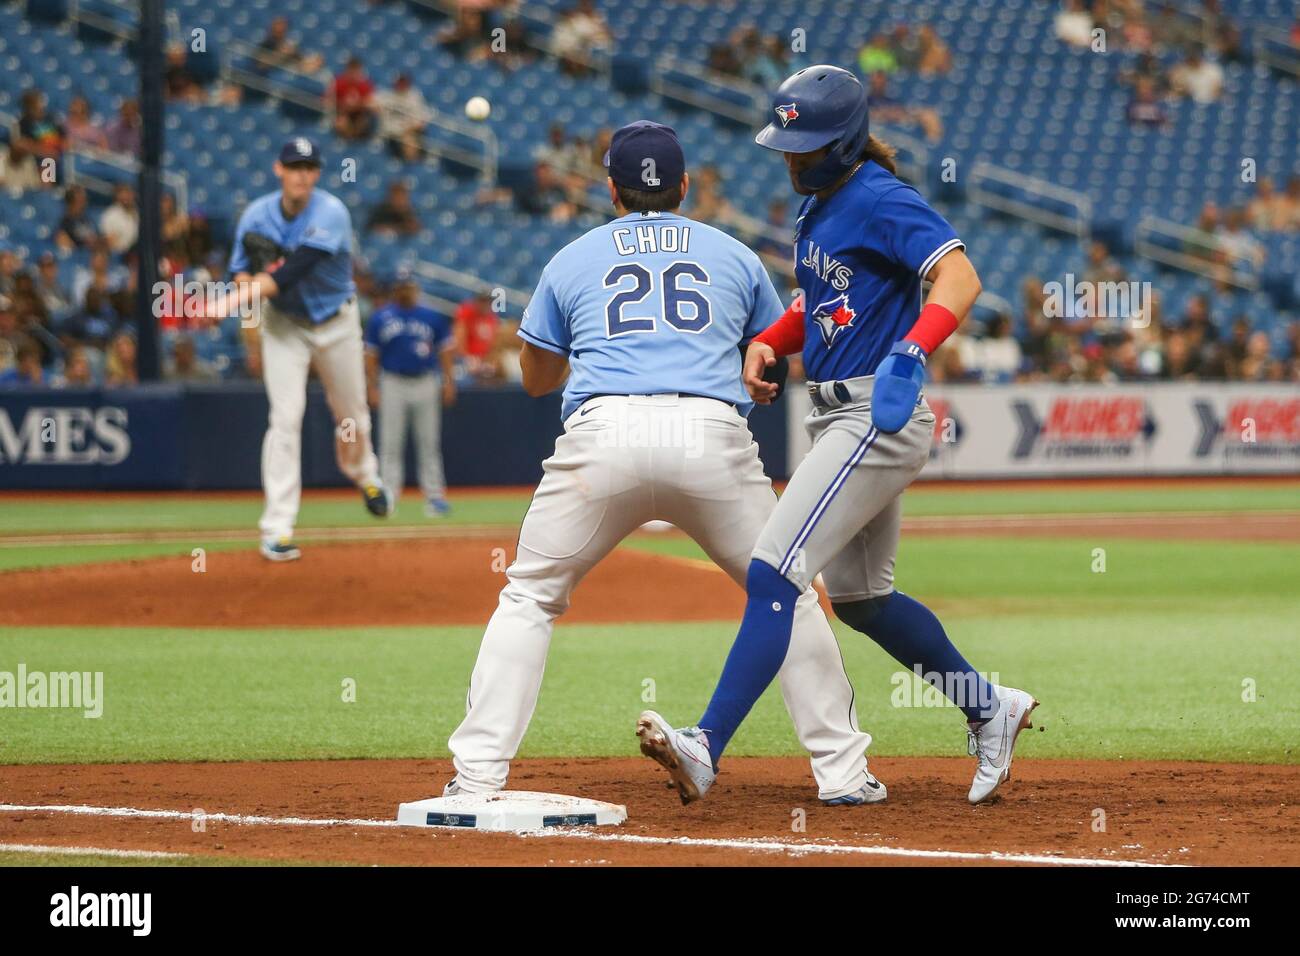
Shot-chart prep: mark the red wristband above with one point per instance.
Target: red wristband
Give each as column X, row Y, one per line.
column 785, row 335
column 934, row 324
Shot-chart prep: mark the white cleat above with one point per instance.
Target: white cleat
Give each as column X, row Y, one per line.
column 993, row 743
column 871, row 791
column 683, row 753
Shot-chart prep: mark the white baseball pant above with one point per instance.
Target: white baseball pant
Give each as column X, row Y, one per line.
column 623, row 461
column 288, row 352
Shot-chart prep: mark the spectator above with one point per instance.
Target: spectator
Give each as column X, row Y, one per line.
column 557, row 151
column 1073, row 24
column 403, row 116
column 1267, row 209
column 277, row 50
column 997, row 356
column 477, row 331
column 468, row 35
column 27, row 371
column 54, row 295
column 707, row 203
column 353, row 101
column 40, row 134
column 77, row 370
column 175, row 224
column 394, row 216
column 1145, row 109
column 76, row 229
column 83, row 131
column 516, row 48
column 1196, row 322
column 8, row 270
column 770, row 65
column 877, row 57
column 778, row 216
column 889, row 110
column 120, row 223
column 1257, row 365
column 1290, row 213
column 1241, row 247
column 125, row 131
column 100, row 274
column 18, row 169
column 935, row 57
column 184, row 365
column 1197, row 77
column 1101, row 267
column 94, row 324
column 578, row 31
column 119, row 367
column 178, row 82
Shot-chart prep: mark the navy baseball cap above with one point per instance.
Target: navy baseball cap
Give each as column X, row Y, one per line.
column 300, row 150
column 631, row 146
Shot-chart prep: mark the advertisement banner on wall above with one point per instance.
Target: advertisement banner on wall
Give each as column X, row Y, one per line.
column 1021, row 431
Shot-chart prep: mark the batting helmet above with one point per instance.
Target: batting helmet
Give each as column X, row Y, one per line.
column 819, row 106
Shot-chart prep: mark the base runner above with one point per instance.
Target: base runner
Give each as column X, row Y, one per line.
column 646, row 313
column 293, row 255
column 864, row 242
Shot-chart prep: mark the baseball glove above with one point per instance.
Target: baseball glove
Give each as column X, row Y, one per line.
column 262, row 253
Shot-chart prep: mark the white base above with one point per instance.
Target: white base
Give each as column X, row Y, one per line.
column 510, row 810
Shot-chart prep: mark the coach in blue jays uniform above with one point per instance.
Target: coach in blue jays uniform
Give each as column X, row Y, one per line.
column 406, row 346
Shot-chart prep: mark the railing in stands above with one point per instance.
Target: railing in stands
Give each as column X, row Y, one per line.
column 176, row 182
column 468, row 281
column 1193, row 250
column 1036, row 200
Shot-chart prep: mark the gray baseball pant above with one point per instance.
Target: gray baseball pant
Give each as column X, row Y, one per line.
column 416, row 401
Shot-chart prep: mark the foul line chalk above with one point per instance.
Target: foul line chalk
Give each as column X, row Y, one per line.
column 89, row 851
column 760, row 846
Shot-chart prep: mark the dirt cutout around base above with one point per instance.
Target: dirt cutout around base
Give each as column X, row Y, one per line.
column 1154, row 812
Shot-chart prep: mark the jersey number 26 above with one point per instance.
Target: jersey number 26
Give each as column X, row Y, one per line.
column 685, row 309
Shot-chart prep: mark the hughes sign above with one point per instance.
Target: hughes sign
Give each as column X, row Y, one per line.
column 64, row 435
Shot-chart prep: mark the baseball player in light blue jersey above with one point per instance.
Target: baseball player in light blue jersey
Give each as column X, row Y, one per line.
column 293, row 255
column 644, row 315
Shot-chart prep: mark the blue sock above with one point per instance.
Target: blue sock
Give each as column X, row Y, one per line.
column 910, row 632
column 756, row 656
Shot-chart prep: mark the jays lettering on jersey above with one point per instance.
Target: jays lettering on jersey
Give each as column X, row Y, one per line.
column 324, row 224
column 648, row 304
column 408, row 340
column 860, row 257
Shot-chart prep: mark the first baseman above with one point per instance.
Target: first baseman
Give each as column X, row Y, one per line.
column 293, row 254
column 864, row 242
column 645, row 315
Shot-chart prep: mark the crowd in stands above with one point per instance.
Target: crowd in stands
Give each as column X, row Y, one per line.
column 74, row 325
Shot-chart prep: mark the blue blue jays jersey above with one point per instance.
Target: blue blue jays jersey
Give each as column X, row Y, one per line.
column 651, row 303
column 408, row 340
column 325, row 224
column 860, row 257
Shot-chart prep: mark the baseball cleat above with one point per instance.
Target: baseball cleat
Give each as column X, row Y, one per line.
column 871, row 791
column 378, row 503
column 280, row 549
column 993, row 742
column 683, row 753
column 453, row 788
column 436, row 508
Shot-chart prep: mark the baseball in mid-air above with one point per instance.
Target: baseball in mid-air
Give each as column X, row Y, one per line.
column 477, row 108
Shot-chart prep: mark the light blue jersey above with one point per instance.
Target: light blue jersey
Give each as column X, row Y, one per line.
column 651, row 303
column 325, row 224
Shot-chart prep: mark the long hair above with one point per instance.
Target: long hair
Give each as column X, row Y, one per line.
column 881, row 153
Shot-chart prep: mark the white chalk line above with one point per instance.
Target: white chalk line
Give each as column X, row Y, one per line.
column 90, row 851
column 763, row 846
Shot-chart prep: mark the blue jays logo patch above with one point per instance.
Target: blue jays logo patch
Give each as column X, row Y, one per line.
column 833, row 316
column 788, row 113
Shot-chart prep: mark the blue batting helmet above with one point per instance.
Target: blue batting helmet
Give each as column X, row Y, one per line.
column 819, row 106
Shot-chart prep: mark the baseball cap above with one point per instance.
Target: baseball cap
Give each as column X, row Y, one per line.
column 632, row 145
column 300, row 150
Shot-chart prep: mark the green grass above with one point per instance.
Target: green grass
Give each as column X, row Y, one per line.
column 1146, row 659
